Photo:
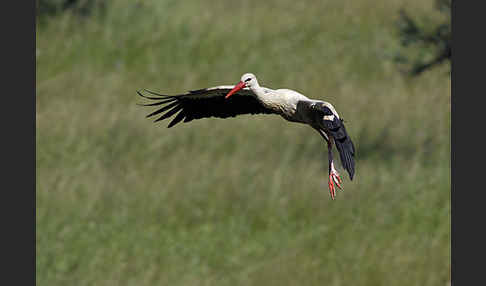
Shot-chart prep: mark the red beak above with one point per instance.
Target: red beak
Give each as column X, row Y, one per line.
column 237, row 87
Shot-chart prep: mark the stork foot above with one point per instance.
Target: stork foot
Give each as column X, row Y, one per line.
column 334, row 178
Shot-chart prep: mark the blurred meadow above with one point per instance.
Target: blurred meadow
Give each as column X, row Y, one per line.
column 121, row 200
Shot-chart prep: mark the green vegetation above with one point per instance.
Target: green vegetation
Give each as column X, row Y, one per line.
column 243, row 201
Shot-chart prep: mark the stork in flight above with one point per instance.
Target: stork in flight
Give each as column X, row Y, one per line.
column 248, row 97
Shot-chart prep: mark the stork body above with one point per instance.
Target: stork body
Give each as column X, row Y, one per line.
column 248, row 97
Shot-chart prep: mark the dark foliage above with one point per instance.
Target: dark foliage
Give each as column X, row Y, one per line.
column 437, row 40
column 49, row 8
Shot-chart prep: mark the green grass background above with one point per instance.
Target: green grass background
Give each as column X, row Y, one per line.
column 242, row 201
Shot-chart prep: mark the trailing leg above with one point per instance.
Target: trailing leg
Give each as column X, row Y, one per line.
column 334, row 177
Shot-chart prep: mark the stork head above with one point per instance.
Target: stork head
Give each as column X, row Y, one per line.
column 247, row 80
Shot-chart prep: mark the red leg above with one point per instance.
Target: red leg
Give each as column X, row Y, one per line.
column 334, row 177
column 333, row 173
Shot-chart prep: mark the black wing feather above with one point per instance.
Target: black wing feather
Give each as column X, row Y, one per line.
column 158, row 103
column 163, row 109
column 205, row 103
column 149, row 97
column 177, row 119
column 170, row 112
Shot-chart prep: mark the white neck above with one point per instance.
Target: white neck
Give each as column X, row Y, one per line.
column 259, row 92
column 271, row 99
column 283, row 101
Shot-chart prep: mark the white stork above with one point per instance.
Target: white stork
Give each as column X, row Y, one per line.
column 248, row 97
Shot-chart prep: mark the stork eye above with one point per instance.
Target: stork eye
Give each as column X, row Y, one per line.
column 248, row 79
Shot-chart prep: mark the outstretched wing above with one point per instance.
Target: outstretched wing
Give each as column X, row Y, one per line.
column 204, row 103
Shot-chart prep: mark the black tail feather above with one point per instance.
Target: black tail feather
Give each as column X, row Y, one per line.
column 346, row 152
